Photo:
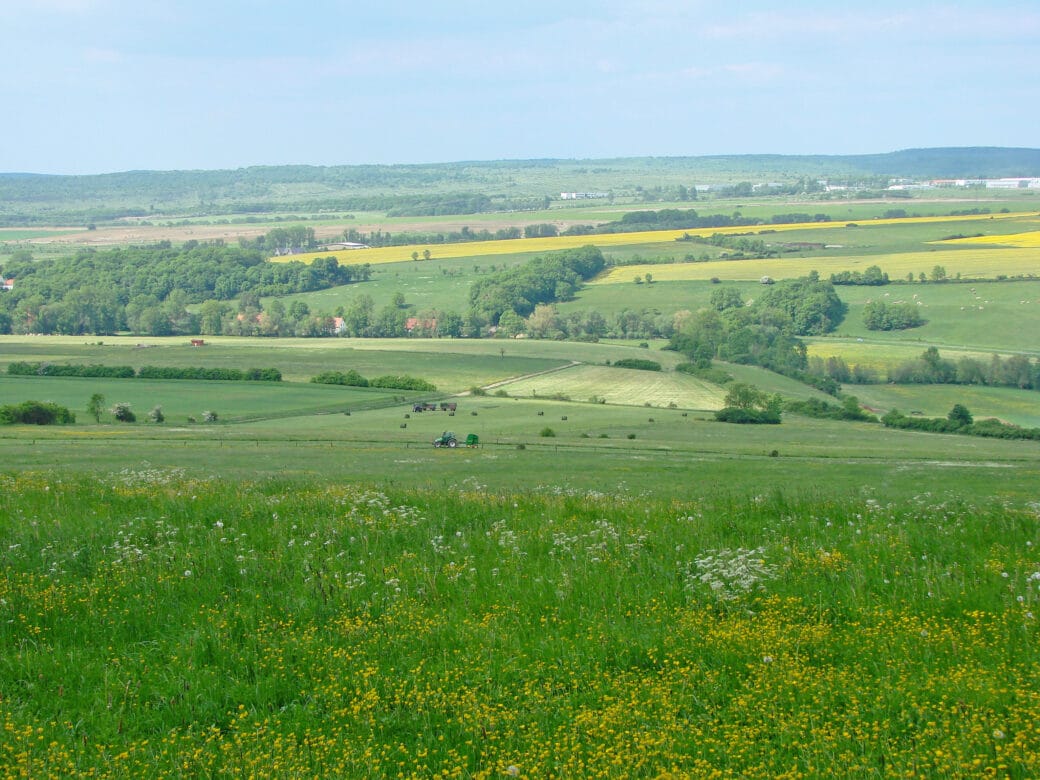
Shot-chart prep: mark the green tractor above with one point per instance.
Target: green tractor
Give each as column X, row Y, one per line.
column 446, row 439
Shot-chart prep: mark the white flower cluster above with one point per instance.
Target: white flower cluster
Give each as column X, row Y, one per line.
column 729, row 574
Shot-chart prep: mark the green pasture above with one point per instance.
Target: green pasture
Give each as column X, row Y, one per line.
column 665, row 298
column 440, row 284
column 999, row 316
column 1021, row 407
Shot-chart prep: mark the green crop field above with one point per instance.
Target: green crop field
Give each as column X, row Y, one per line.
column 182, row 399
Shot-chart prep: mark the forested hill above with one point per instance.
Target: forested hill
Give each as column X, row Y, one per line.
column 972, row 162
column 463, row 187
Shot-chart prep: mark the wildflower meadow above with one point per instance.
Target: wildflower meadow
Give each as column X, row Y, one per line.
column 155, row 624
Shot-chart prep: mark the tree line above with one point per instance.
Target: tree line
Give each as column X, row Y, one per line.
column 931, row 368
column 22, row 368
column 147, row 289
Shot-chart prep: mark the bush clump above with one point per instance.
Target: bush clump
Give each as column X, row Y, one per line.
column 35, row 413
column 123, row 413
column 638, row 363
column 734, row 414
column 402, row 382
column 351, row 378
column 814, row 407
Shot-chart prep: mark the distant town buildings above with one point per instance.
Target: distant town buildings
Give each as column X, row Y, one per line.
column 1008, row 183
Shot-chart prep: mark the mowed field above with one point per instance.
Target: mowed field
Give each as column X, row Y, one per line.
column 620, row 385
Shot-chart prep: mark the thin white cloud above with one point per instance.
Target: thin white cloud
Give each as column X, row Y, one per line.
column 103, row 56
column 933, row 22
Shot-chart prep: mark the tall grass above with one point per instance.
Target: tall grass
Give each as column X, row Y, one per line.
column 152, row 624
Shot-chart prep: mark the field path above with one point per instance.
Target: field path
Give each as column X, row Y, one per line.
column 522, row 377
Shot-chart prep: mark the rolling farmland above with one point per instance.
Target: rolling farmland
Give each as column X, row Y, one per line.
column 611, row 584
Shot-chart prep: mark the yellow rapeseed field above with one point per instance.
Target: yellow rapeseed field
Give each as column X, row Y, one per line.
column 982, row 263
column 1030, row 240
column 399, row 254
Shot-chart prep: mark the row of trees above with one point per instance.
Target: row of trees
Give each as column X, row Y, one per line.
column 931, row 368
column 873, row 276
column 215, row 373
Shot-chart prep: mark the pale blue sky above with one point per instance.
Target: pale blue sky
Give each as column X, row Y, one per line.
column 93, row 86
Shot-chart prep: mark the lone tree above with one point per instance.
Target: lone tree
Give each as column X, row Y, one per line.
column 96, row 406
column 960, row 416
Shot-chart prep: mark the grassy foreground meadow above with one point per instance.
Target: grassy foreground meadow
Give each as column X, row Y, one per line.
column 155, row 624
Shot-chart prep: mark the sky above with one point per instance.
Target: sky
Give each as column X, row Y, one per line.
column 100, row 86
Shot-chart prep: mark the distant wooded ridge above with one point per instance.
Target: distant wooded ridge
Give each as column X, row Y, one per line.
column 462, row 187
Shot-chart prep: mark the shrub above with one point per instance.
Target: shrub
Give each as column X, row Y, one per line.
column 263, row 375
column 123, row 413
column 36, row 413
column 734, row 414
column 209, row 416
column 351, row 378
column 638, row 363
column 156, row 415
column 402, row 382
column 813, row 407
column 547, row 432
